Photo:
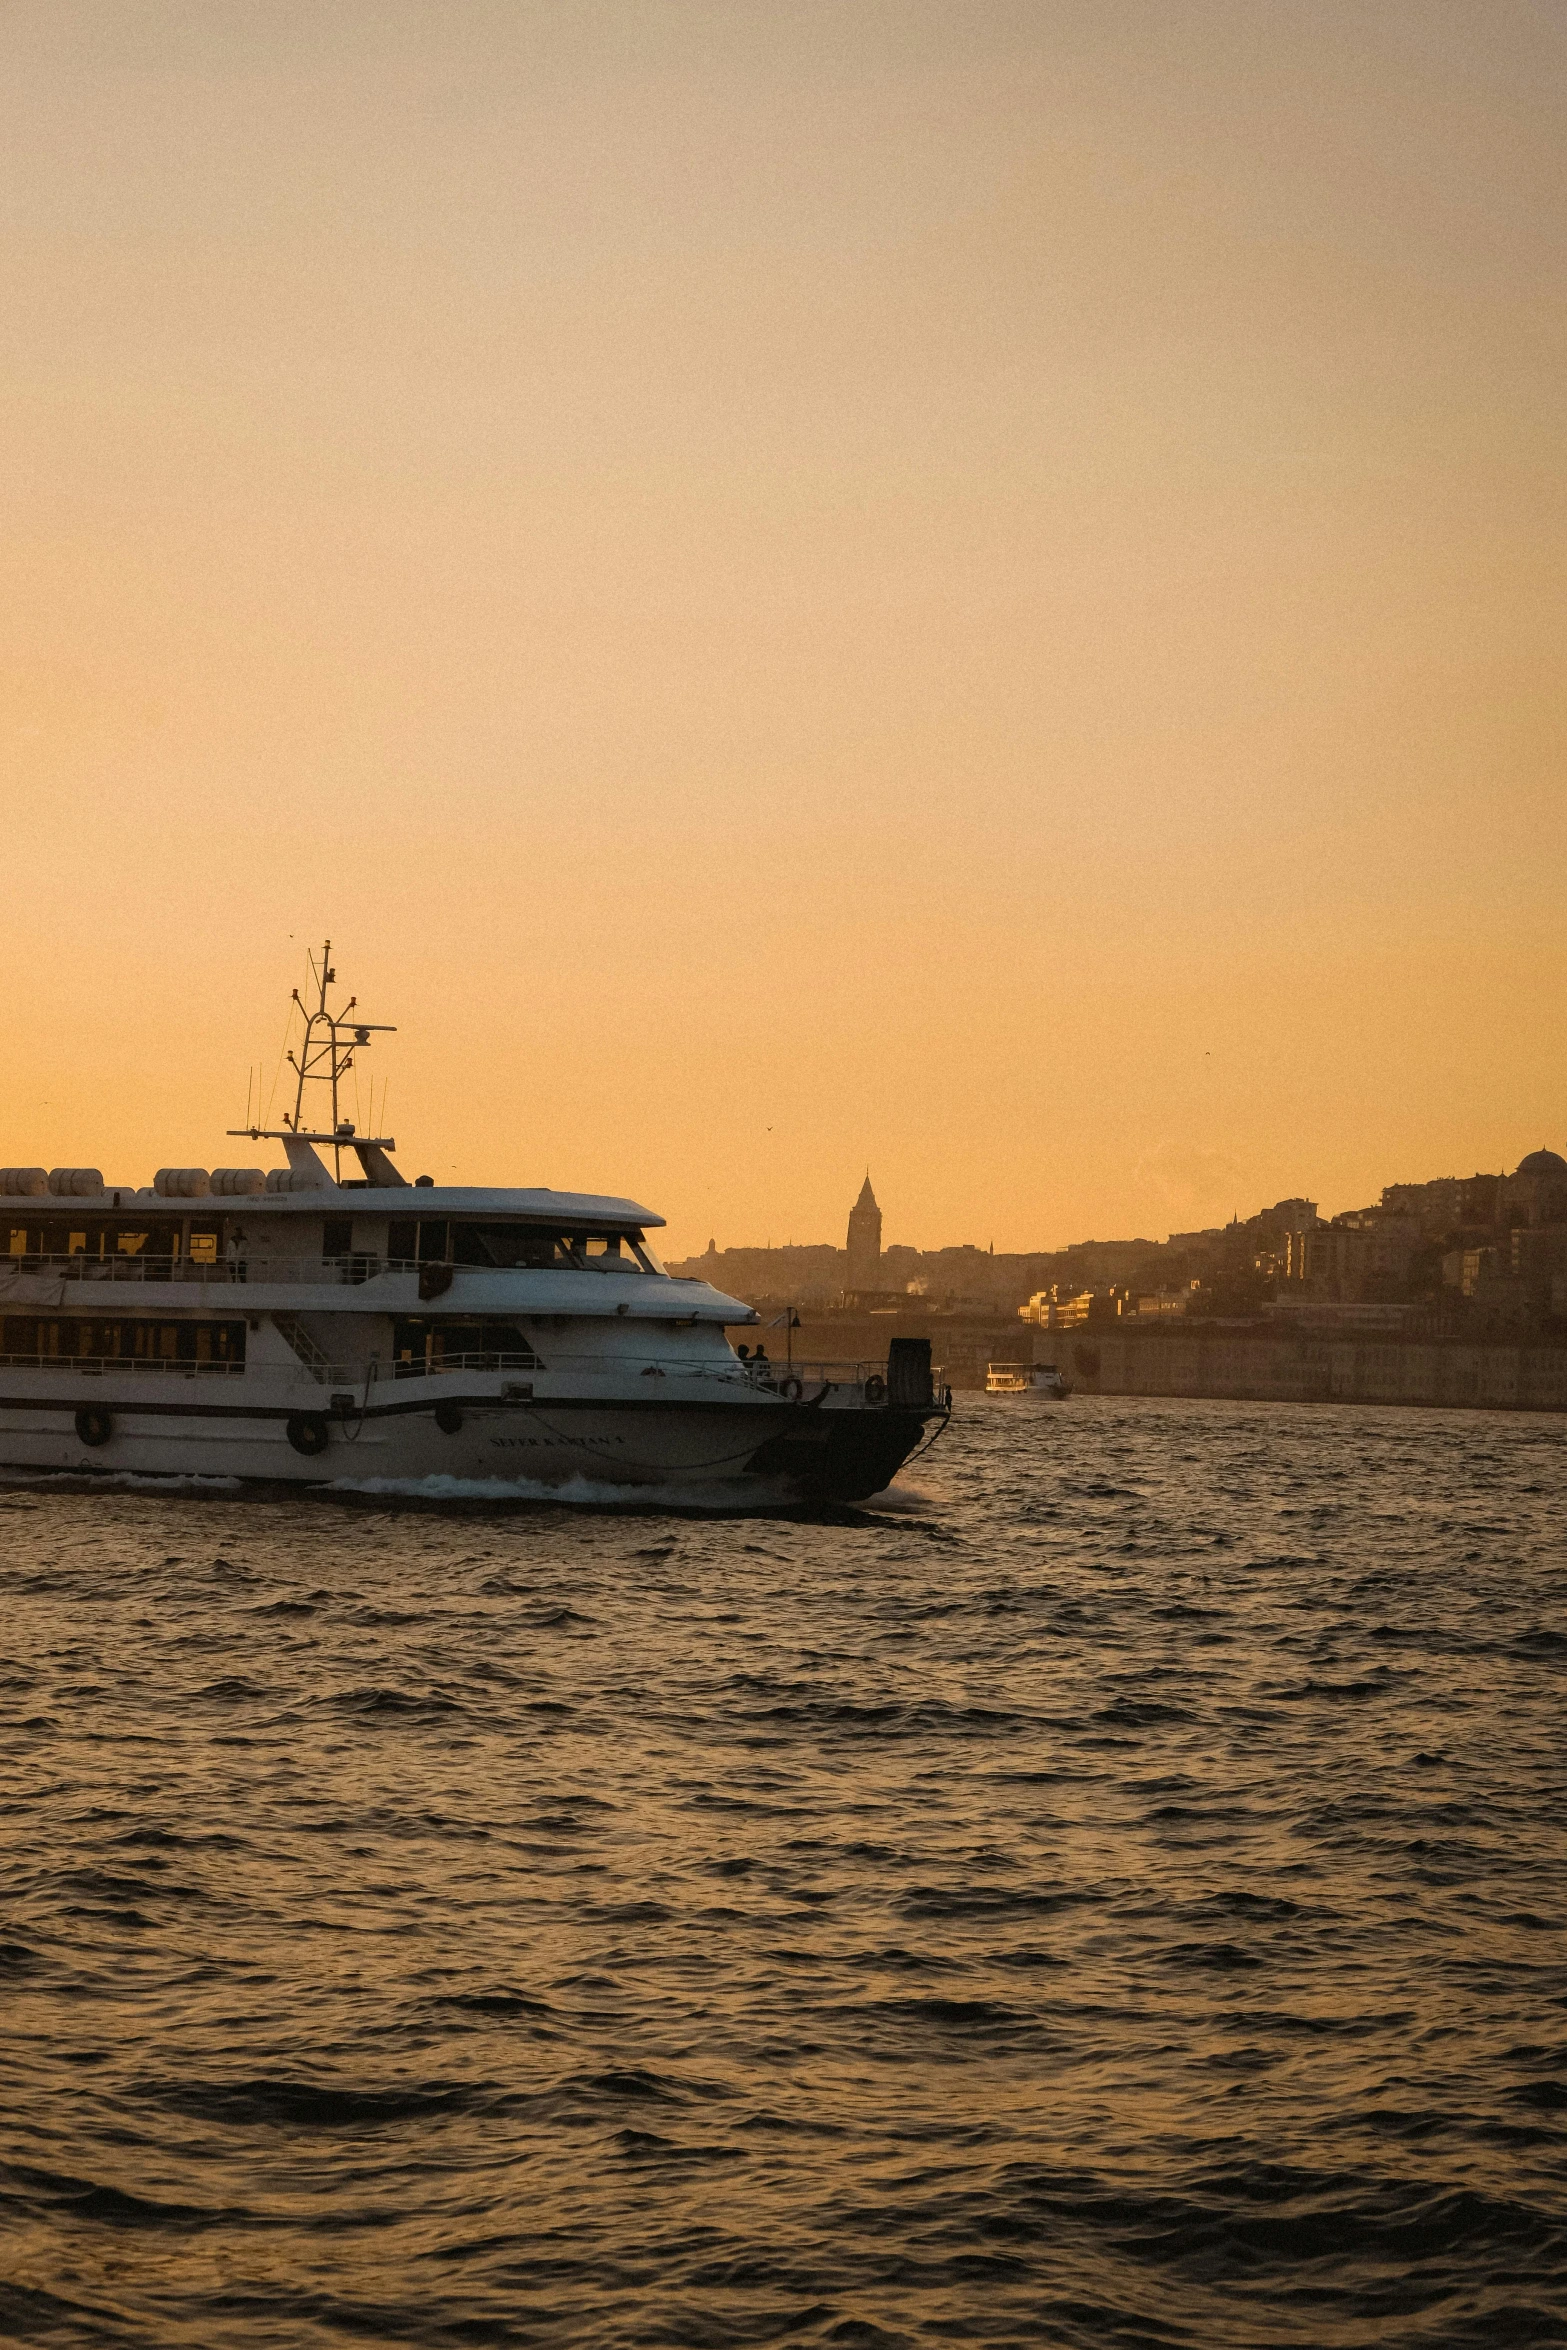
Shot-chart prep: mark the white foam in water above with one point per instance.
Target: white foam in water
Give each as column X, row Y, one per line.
column 126, row 1480
column 576, row 1492
column 439, row 1487
column 900, row 1497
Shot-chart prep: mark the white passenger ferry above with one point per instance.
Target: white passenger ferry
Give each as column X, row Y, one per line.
column 1043, row 1381
column 323, row 1327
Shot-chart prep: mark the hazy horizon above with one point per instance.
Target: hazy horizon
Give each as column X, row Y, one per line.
column 979, row 590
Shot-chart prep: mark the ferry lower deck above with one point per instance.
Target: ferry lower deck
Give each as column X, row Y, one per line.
column 265, row 1357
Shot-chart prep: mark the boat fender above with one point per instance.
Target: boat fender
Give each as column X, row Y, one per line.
column 308, row 1433
column 434, row 1281
column 93, row 1425
column 448, row 1418
column 875, row 1388
column 790, row 1390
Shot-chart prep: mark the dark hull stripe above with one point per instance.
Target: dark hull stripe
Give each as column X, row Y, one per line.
column 776, row 1416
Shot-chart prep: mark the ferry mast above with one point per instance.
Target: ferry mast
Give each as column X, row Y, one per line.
column 326, row 1057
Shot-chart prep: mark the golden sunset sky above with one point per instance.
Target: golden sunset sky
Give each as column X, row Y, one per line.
column 968, row 588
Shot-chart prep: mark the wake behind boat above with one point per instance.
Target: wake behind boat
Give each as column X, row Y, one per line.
column 318, row 1327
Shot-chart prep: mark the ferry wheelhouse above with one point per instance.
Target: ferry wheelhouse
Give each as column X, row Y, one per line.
column 320, row 1325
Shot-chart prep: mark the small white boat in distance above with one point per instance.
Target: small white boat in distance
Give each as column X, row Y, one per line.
column 1042, row 1381
column 332, row 1322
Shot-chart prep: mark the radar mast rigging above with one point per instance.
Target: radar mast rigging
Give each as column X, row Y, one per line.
column 325, row 1057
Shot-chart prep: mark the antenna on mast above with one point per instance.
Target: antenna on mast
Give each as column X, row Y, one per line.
column 325, row 1057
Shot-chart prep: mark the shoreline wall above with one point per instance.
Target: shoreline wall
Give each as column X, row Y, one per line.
column 1262, row 1367
column 1247, row 1365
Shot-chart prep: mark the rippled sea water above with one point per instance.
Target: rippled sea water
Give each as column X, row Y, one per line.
column 1109, row 1893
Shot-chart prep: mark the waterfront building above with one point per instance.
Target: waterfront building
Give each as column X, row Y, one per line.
column 1164, row 1305
column 1058, row 1308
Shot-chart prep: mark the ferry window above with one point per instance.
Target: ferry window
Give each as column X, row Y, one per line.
column 535, row 1248
column 26, row 1244
column 455, row 1338
column 511, row 1247
column 471, row 1338
column 480, row 1343
column 204, row 1345
column 504, row 1338
column 615, row 1252
column 420, row 1346
column 337, row 1236
column 129, row 1244
column 60, row 1241
column 483, row 1244
column 412, row 1241
column 409, row 1341
column 203, row 1248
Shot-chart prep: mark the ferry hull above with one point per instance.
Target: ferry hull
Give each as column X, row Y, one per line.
column 746, row 1451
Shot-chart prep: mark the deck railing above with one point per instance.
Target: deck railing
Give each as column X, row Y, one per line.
column 803, row 1382
column 145, row 1265
column 319, row 1272
column 101, row 1363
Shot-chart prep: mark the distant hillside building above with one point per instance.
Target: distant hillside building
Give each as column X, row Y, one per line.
column 1534, row 1194
column 1437, row 1206
column 1537, row 1192
column 1358, row 1257
column 863, row 1268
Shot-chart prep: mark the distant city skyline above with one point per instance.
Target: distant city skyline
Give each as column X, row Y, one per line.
column 865, row 1221
column 1480, row 1258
